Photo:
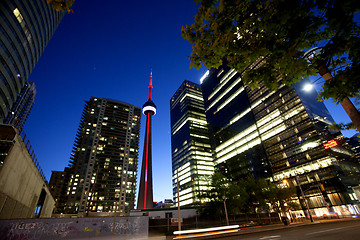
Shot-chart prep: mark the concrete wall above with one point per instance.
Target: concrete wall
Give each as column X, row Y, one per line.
column 75, row 228
column 161, row 212
column 21, row 184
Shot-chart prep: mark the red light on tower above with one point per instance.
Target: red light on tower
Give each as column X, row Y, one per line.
column 145, row 197
column 331, row 144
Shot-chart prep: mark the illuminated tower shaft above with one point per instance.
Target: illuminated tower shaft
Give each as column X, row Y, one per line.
column 145, row 198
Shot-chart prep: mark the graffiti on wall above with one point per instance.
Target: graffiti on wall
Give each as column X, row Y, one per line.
column 73, row 228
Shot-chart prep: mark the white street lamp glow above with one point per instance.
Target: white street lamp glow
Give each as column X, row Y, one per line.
column 308, row 87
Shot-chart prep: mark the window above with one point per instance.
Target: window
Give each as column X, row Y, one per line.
column 18, row 15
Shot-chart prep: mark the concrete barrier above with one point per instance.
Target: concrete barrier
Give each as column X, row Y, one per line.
column 74, row 228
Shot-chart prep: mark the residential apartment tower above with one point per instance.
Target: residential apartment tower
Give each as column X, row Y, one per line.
column 103, row 165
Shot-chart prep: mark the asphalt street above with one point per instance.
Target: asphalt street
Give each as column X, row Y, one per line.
column 337, row 230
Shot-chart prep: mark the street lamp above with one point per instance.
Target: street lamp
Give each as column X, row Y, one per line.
column 308, row 87
column 226, row 214
column 303, row 196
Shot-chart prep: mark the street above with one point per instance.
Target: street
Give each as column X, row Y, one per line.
column 336, row 230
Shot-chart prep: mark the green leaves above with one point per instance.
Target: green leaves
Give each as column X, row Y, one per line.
column 62, row 5
column 341, row 126
column 245, row 195
column 248, row 30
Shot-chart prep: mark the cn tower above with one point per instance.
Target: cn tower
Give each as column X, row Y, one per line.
column 145, row 198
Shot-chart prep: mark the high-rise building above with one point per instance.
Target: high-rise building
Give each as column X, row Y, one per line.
column 58, row 187
column 25, row 29
column 190, row 145
column 103, row 165
column 21, row 108
column 354, row 142
column 280, row 135
column 234, row 132
column 145, row 198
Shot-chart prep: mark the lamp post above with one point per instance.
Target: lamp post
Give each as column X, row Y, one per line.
column 323, row 70
column 226, row 214
column 303, row 196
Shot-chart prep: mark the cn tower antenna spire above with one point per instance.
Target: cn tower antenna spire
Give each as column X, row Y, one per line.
column 150, row 86
column 145, row 197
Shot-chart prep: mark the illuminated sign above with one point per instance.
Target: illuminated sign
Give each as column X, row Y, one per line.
column 330, row 144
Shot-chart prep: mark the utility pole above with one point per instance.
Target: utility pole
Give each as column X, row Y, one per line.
column 226, row 214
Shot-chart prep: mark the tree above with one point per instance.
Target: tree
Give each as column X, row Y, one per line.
column 262, row 193
column 265, row 41
column 62, row 5
column 281, row 198
column 246, row 195
column 345, row 126
column 235, row 194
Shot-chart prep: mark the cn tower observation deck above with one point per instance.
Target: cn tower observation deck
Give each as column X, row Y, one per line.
column 145, row 197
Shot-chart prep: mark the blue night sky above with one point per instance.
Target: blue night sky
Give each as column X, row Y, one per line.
column 106, row 50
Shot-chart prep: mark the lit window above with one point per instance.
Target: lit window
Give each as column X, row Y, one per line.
column 18, row 15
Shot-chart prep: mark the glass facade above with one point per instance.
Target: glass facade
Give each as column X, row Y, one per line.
column 21, row 108
column 190, row 144
column 104, row 160
column 235, row 133
column 354, row 142
column 25, row 29
column 280, row 135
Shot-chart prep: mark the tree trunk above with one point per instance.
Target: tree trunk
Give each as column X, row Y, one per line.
column 351, row 110
column 348, row 106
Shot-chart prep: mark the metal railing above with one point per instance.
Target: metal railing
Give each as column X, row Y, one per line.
column 32, row 154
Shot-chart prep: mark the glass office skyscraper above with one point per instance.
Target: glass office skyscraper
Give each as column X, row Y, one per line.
column 234, row 132
column 103, row 165
column 192, row 162
column 280, row 135
column 21, row 108
column 25, row 29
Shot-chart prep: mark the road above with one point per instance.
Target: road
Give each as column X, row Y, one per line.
column 339, row 230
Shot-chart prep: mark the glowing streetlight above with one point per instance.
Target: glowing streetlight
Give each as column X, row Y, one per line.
column 308, row 87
